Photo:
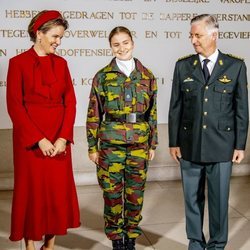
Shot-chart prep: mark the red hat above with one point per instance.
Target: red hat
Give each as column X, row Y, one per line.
column 45, row 17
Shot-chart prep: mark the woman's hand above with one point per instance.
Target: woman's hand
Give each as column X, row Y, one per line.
column 60, row 146
column 46, row 147
column 151, row 154
column 94, row 157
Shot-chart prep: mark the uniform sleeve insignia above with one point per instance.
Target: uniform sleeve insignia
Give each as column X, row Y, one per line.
column 189, row 79
column 237, row 57
column 184, row 57
column 224, row 79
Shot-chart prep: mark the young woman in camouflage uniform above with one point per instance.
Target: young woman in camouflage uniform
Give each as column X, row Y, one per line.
column 122, row 137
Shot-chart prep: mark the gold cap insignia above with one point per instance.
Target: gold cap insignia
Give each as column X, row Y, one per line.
column 224, row 79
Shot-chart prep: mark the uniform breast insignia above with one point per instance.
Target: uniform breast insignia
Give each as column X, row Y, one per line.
column 237, row 57
column 184, row 57
column 224, row 79
column 220, row 62
column 189, row 79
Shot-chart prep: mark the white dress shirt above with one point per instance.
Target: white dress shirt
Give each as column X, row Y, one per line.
column 212, row 60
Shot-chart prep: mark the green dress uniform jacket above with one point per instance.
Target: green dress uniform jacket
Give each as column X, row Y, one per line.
column 208, row 120
column 113, row 93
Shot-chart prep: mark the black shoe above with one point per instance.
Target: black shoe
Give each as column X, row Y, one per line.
column 118, row 244
column 129, row 243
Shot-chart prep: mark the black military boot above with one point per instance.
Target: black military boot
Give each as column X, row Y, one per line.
column 118, row 244
column 129, row 243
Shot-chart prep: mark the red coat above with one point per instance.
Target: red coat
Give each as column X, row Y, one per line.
column 41, row 104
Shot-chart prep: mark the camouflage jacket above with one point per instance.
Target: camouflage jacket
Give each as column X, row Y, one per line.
column 107, row 96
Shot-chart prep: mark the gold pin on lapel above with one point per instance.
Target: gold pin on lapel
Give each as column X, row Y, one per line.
column 224, row 79
column 195, row 62
column 220, row 62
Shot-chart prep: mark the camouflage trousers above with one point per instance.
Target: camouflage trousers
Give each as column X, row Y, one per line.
column 122, row 175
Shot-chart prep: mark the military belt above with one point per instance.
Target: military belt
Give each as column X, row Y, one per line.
column 128, row 118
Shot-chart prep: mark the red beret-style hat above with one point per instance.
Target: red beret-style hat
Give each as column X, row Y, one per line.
column 45, row 17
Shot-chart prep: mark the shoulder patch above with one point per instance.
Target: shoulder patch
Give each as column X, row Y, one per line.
column 185, row 57
column 236, row 57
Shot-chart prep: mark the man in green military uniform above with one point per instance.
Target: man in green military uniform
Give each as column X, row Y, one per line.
column 122, row 137
column 208, row 123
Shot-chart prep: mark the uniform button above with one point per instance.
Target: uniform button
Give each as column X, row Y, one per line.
column 187, row 90
column 204, row 126
column 206, row 99
column 185, row 128
column 206, row 87
column 228, row 129
column 205, row 113
column 224, row 91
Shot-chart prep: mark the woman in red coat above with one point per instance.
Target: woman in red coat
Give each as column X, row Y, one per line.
column 41, row 103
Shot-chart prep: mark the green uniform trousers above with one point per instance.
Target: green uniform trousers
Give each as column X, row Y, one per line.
column 194, row 176
column 122, row 172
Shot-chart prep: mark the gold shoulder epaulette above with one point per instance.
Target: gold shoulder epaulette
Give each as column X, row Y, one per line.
column 184, row 57
column 237, row 57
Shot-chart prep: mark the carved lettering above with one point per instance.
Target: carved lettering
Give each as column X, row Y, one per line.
column 148, row 16
column 151, row 34
column 86, row 33
column 14, row 33
column 84, row 52
column 188, row 1
column 177, row 16
column 3, row 83
column 3, row 52
column 20, row 13
column 128, row 15
column 235, row 1
column 104, row 15
column 234, row 35
column 19, row 51
column 86, row 81
column 172, row 34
